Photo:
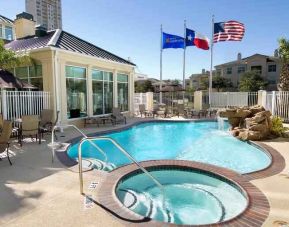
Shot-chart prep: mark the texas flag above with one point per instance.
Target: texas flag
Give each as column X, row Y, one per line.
column 196, row 39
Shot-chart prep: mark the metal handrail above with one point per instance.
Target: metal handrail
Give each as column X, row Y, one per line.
column 123, row 151
column 61, row 127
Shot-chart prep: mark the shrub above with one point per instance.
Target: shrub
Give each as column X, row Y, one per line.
column 277, row 127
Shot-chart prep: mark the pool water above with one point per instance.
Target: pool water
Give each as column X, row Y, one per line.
column 195, row 141
column 191, row 198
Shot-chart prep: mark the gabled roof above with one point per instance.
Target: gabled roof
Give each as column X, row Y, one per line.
column 65, row 41
column 244, row 60
column 6, row 20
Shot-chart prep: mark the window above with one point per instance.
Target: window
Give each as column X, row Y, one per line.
column 272, row 81
column 8, row 33
column 1, row 34
column 271, row 68
column 31, row 74
column 76, row 91
column 102, row 92
column 241, row 69
column 229, row 70
column 257, row 68
column 122, row 91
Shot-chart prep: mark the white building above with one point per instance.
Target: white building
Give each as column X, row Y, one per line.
column 47, row 13
column 7, row 31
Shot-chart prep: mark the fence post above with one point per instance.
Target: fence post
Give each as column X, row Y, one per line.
column 149, row 100
column 4, row 104
column 273, row 102
column 262, row 95
column 198, row 100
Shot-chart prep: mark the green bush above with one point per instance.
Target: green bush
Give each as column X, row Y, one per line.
column 277, row 127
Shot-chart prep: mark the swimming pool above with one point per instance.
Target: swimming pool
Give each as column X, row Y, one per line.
column 191, row 196
column 195, row 141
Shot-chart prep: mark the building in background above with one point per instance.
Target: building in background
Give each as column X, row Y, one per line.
column 7, row 29
column 268, row 67
column 46, row 13
column 199, row 81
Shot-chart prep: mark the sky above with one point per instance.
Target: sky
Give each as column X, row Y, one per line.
column 131, row 28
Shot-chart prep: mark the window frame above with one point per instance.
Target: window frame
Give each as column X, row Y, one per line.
column 86, row 85
column 108, row 81
column 227, row 70
column 270, row 70
column 128, row 95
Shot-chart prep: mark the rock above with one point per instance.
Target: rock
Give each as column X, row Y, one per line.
column 254, row 123
column 234, row 121
column 242, row 113
column 256, row 109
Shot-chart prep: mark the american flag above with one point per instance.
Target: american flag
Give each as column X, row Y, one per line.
column 228, row 31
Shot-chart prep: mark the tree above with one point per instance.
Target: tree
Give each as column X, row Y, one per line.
column 142, row 87
column 283, row 51
column 252, row 81
column 9, row 59
column 218, row 82
column 221, row 83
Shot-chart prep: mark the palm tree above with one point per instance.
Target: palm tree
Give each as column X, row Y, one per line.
column 284, row 55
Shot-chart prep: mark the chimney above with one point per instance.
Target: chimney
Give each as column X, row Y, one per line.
column 239, row 57
column 24, row 25
column 40, row 31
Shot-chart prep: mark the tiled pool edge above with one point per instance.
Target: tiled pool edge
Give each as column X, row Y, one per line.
column 255, row 214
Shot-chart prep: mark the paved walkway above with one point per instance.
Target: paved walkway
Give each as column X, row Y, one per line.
column 35, row 192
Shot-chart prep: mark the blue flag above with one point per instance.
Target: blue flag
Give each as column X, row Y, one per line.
column 172, row 41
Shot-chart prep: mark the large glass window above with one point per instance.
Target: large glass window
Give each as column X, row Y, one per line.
column 102, row 92
column 229, row 70
column 31, row 74
column 122, row 91
column 1, row 34
column 241, row 69
column 76, row 91
column 8, row 33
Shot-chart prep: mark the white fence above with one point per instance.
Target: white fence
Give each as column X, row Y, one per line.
column 233, row 99
column 17, row 103
column 140, row 98
column 278, row 103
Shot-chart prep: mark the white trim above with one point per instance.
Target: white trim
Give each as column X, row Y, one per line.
column 54, row 38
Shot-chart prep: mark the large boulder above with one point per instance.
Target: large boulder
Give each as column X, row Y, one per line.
column 252, row 123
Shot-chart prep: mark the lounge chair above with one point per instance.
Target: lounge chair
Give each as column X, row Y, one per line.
column 29, row 127
column 4, row 138
column 195, row 113
column 46, row 124
column 117, row 116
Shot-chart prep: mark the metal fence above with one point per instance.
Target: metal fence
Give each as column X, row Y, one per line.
column 233, row 99
column 278, row 103
column 17, row 103
column 174, row 98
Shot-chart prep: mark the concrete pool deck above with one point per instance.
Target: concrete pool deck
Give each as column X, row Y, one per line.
column 35, row 192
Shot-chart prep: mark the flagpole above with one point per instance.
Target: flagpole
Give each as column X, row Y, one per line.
column 211, row 71
column 184, row 62
column 161, row 65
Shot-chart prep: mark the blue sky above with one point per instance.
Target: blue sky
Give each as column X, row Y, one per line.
column 131, row 28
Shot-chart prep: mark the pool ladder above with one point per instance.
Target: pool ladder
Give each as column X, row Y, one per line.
column 91, row 140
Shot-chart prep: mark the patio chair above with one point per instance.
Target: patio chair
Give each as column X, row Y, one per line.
column 195, row 113
column 142, row 110
column 4, row 138
column 181, row 110
column 117, row 116
column 29, row 128
column 46, row 124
